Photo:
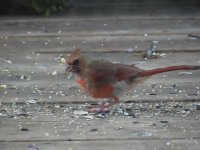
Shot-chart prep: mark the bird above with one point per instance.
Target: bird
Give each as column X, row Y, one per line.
column 104, row 79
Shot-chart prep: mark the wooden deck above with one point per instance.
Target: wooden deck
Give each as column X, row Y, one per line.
column 42, row 108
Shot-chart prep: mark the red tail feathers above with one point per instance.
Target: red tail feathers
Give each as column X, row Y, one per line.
column 166, row 69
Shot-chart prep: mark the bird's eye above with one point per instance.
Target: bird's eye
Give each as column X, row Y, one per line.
column 76, row 62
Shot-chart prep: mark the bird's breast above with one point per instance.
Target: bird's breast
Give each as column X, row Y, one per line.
column 96, row 90
column 103, row 91
column 82, row 84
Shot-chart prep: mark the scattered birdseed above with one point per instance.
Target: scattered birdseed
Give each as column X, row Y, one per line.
column 23, row 42
column 46, row 134
column 62, row 61
column 23, row 129
column 8, row 61
column 33, row 147
column 193, row 36
column 163, row 55
column 80, row 112
column 31, row 101
column 88, row 117
column 59, row 32
column 130, row 49
column 3, row 86
column 54, row 73
column 93, row 130
column 163, row 121
column 144, row 134
column 185, row 73
column 67, row 24
column 196, row 106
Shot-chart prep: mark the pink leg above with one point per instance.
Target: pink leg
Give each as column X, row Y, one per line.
column 104, row 107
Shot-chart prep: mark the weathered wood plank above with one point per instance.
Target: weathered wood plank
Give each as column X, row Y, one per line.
column 47, row 62
column 63, row 93
column 40, row 67
column 99, row 27
column 186, row 144
column 140, row 112
column 150, row 125
column 117, row 43
column 30, row 75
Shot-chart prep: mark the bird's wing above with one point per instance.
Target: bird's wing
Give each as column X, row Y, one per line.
column 103, row 71
column 124, row 72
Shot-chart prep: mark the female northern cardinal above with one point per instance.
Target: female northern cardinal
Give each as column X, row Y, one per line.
column 103, row 79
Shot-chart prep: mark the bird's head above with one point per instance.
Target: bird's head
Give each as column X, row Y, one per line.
column 76, row 62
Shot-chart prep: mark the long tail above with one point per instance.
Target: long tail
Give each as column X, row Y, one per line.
column 166, row 69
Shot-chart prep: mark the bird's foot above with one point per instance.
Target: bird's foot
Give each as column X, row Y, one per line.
column 98, row 110
column 101, row 108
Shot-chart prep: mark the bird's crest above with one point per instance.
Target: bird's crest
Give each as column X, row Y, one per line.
column 76, row 54
column 77, row 51
column 77, row 62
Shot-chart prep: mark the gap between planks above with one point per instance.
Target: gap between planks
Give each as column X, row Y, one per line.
column 107, row 139
column 99, row 33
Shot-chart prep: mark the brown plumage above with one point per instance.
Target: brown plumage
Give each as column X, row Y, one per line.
column 103, row 79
